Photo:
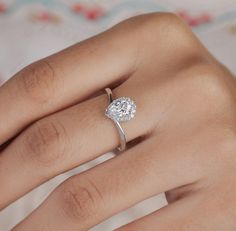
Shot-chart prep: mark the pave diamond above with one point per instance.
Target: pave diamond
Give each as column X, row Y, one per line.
column 121, row 109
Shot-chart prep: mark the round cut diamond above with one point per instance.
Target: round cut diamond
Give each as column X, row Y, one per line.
column 121, row 109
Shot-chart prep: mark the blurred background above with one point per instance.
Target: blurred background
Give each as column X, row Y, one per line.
column 33, row 29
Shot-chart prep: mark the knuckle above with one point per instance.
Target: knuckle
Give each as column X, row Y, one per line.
column 45, row 141
column 217, row 84
column 155, row 19
column 225, row 146
column 164, row 32
column 170, row 19
column 210, row 86
column 38, row 81
column 167, row 24
column 81, row 201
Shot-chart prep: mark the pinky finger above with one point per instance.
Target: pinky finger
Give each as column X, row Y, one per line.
column 174, row 217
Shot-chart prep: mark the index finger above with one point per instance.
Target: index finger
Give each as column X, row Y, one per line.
column 64, row 79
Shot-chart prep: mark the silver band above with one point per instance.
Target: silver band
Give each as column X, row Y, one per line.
column 121, row 132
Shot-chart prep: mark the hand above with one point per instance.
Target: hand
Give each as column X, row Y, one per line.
column 186, row 110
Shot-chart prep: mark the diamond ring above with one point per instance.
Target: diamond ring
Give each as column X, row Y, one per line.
column 120, row 110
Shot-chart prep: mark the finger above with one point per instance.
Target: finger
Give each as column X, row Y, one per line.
column 197, row 210
column 107, row 59
column 87, row 199
column 61, row 142
column 65, row 78
column 172, row 217
column 71, row 137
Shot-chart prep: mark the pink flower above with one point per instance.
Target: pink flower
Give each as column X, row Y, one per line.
column 195, row 20
column 3, row 8
column 91, row 13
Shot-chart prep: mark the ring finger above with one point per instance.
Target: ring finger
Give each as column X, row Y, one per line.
column 62, row 141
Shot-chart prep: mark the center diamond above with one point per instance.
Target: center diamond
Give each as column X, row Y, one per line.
column 121, row 109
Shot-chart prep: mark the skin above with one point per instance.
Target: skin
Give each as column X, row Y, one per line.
column 185, row 122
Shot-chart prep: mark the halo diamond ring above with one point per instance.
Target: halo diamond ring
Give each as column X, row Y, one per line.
column 120, row 110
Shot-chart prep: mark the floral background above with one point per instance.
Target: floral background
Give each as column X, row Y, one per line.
column 32, row 29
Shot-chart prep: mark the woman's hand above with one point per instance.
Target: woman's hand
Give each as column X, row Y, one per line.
column 186, row 119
